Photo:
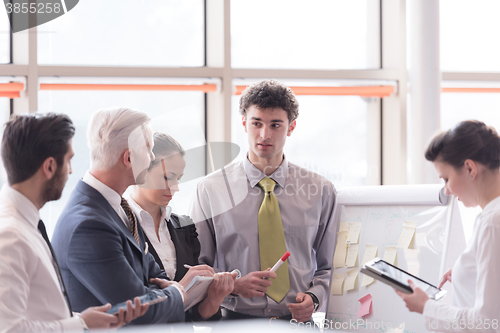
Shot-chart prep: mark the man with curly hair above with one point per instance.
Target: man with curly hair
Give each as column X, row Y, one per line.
column 252, row 207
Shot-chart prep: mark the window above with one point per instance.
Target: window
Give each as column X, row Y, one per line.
column 317, row 34
column 125, row 33
column 4, row 37
column 331, row 135
column 469, row 35
column 180, row 114
column 4, row 117
column 456, row 107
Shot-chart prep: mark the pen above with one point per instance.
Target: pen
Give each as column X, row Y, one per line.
column 234, row 270
column 280, row 262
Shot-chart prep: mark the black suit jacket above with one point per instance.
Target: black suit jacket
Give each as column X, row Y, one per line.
column 187, row 246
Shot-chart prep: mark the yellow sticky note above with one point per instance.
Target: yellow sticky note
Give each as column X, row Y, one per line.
column 390, row 254
column 350, row 282
column 407, row 234
column 367, row 280
column 354, row 230
column 344, row 226
column 340, row 250
column 352, row 255
column 370, row 253
column 338, row 281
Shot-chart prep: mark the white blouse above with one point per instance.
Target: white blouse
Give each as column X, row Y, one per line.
column 163, row 246
column 475, row 281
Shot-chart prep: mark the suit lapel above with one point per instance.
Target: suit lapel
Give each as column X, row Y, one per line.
column 98, row 199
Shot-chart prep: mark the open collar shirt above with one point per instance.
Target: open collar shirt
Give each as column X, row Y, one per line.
column 163, row 246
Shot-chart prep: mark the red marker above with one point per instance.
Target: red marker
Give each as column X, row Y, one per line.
column 280, row 262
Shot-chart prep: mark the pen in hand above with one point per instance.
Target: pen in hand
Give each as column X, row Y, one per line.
column 280, row 262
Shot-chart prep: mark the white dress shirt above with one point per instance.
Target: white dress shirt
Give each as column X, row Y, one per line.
column 163, row 246
column 109, row 194
column 31, row 299
column 475, row 284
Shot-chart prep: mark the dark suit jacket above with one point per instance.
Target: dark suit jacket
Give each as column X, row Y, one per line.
column 102, row 263
column 187, row 250
column 187, row 246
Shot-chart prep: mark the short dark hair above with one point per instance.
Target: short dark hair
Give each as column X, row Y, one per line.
column 469, row 139
column 270, row 94
column 164, row 146
column 28, row 140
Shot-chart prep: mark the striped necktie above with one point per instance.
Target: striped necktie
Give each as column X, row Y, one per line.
column 131, row 219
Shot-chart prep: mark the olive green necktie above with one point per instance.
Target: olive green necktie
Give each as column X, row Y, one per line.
column 272, row 240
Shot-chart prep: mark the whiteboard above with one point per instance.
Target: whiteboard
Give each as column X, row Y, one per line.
column 437, row 243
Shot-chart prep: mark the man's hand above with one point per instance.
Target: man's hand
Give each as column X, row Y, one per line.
column 446, row 277
column 134, row 311
column 96, row 317
column 415, row 302
column 303, row 309
column 201, row 270
column 162, row 283
column 222, row 286
column 254, row 284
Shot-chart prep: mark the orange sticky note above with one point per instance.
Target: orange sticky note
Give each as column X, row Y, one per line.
column 366, row 305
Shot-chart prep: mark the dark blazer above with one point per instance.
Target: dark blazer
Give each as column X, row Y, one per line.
column 187, row 246
column 102, row 263
column 187, row 250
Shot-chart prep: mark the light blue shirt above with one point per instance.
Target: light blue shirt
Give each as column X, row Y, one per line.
column 226, row 207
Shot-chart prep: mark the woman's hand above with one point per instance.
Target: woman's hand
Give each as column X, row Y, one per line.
column 446, row 277
column 201, row 270
column 415, row 302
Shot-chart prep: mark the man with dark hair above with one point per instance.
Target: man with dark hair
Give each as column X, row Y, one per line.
column 36, row 152
column 254, row 210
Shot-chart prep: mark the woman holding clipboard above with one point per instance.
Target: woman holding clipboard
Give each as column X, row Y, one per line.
column 467, row 158
column 172, row 239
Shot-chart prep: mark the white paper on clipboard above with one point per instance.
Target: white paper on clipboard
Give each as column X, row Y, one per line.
column 197, row 291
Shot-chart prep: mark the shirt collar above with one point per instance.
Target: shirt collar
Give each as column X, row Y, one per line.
column 491, row 205
column 139, row 212
column 113, row 198
column 254, row 175
column 22, row 204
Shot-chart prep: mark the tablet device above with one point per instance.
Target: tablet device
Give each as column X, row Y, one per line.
column 398, row 278
column 150, row 298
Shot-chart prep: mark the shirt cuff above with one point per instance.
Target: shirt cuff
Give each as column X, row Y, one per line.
column 429, row 308
column 73, row 324
column 180, row 292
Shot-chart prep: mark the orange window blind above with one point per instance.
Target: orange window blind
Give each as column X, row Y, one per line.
column 11, row 89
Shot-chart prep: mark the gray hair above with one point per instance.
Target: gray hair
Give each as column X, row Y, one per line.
column 108, row 134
